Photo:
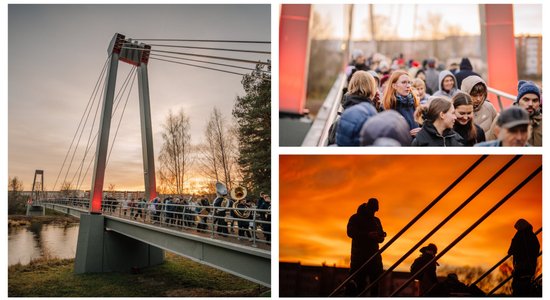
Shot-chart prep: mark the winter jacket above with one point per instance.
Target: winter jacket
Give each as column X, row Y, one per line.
column 536, row 130
column 442, row 92
column 405, row 106
column 366, row 233
column 484, row 114
column 432, row 80
column 525, row 249
column 463, row 130
column 428, row 136
column 351, row 122
column 465, row 71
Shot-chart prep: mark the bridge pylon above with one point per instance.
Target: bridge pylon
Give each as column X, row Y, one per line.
column 36, row 193
column 100, row 250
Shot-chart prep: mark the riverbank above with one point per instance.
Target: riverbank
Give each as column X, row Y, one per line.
column 52, row 218
column 177, row 277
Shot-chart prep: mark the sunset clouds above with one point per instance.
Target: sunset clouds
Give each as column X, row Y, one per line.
column 318, row 194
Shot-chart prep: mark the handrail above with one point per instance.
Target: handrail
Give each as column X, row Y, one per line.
column 184, row 217
column 500, row 94
column 504, row 281
column 318, row 133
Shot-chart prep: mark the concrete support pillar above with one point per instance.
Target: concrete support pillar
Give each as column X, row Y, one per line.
column 99, row 250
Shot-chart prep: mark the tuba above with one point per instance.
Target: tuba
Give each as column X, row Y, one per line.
column 238, row 194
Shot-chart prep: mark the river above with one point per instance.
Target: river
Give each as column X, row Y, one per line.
column 41, row 240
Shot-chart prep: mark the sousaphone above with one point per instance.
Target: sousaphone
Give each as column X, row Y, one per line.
column 238, row 194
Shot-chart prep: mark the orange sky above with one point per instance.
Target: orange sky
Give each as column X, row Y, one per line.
column 318, row 194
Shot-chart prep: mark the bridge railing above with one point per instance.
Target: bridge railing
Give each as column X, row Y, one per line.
column 251, row 225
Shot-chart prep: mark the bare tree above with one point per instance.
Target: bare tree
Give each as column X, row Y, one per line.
column 220, row 152
column 16, row 201
column 432, row 29
column 175, row 154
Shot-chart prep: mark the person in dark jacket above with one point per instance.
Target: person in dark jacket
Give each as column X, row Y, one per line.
column 428, row 277
column 525, row 249
column 386, row 125
column 464, row 125
column 399, row 97
column 466, row 70
column 366, row 233
column 529, row 99
column 437, row 129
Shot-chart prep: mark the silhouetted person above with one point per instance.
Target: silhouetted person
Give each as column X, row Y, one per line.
column 525, row 249
column 428, row 277
column 366, row 233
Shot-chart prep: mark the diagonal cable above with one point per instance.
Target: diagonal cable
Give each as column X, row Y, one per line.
column 447, row 219
column 208, row 48
column 414, row 220
column 472, row 227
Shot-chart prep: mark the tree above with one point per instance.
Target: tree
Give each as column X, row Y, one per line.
column 219, row 154
column 253, row 114
column 175, row 154
column 16, row 201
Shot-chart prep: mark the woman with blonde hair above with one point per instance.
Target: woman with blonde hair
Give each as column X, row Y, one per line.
column 361, row 88
column 398, row 96
column 437, row 130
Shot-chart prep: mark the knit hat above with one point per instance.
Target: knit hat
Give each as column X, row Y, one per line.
column 356, row 54
column 527, row 87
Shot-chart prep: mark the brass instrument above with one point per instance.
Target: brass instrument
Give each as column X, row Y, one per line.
column 238, row 194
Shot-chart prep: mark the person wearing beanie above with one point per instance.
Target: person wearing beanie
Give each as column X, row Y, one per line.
column 466, row 70
column 529, row 99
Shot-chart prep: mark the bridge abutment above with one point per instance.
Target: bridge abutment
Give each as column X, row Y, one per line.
column 99, row 250
column 35, row 210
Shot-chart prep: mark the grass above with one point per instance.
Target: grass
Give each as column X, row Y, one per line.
column 177, row 277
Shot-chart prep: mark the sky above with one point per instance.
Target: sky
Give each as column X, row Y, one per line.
column 319, row 193
column 527, row 17
column 55, row 56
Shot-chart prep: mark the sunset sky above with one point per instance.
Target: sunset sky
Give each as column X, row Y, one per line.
column 318, row 194
column 55, row 56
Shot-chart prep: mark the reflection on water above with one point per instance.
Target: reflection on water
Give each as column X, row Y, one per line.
column 40, row 240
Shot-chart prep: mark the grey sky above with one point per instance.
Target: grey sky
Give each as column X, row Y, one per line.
column 55, row 55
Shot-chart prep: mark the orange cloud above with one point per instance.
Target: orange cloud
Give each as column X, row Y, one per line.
column 318, row 194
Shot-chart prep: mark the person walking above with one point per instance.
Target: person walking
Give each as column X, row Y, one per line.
column 524, row 249
column 437, row 128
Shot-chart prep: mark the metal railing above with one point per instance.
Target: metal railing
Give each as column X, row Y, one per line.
column 500, row 95
column 210, row 221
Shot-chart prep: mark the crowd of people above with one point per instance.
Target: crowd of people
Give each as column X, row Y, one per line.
column 222, row 215
column 436, row 107
column 366, row 232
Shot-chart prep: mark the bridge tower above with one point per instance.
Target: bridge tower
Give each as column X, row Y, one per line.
column 99, row 250
column 36, row 193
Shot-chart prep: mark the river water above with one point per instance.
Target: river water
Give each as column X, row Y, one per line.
column 41, row 240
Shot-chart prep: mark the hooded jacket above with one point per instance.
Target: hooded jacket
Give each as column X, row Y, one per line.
column 428, row 136
column 485, row 114
column 525, row 249
column 442, row 92
column 359, row 227
column 351, row 122
column 465, row 71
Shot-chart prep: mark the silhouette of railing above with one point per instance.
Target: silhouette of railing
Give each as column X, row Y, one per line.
column 500, row 262
column 184, row 217
column 502, row 283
